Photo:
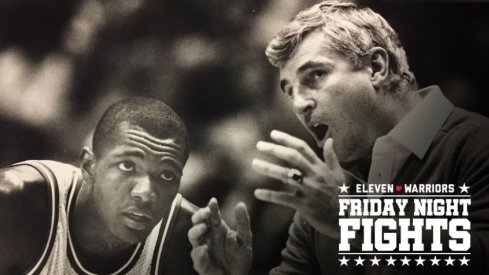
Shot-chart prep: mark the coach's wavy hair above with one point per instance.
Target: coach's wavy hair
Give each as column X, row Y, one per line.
column 351, row 31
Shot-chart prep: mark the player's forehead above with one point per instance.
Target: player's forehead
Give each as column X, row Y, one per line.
column 132, row 139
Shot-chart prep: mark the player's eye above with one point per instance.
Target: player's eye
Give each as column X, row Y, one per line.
column 127, row 166
column 168, row 175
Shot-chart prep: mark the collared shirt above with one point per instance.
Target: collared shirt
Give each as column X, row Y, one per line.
column 457, row 152
column 412, row 135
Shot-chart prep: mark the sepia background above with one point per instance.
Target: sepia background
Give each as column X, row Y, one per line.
column 63, row 62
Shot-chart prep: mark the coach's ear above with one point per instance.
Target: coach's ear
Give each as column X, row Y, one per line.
column 379, row 65
column 87, row 164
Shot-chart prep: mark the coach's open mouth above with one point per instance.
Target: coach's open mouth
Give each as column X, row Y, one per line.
column 319, row 130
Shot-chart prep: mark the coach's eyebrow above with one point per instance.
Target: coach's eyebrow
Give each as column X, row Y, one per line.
column 313, row 64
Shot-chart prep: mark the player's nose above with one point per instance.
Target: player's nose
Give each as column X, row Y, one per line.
column 143, row 189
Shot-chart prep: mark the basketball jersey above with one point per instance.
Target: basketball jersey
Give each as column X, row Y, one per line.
column 59, row 255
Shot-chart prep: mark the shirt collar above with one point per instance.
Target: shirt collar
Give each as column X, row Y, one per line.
column 418, row 128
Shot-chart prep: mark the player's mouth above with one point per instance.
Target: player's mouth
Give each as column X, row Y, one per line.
column 319, row 131
column 137, row 220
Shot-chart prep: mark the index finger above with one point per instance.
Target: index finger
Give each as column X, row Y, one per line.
column 202, row 215
column 298, row 144
column 272, row 170
column 290, row 155
column 278, row 197
column 215, row 213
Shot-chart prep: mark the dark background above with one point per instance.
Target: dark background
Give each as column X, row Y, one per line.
column 63, row 62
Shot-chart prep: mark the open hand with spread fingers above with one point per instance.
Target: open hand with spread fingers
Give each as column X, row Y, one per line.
column 216, row 248
column 316, row 182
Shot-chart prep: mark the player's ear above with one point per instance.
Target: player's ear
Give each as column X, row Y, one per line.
column 379, row 65
column 87, row 164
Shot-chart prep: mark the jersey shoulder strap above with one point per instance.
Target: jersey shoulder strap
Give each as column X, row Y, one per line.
column 174, row 256
column 53, row 209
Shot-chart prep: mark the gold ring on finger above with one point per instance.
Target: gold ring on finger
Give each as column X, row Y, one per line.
column 294, row 175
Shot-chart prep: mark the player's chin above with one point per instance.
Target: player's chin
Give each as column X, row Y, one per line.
column 135, row 234
column 131, row 235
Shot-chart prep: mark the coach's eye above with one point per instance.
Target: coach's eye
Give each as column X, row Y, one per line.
column 313, row 77
column 316, row 74
column 168, row 175
column 126, row 166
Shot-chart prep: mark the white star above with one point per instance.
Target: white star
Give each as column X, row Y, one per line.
column 390, row 261
column 449, row 261
column 343, row 261
column 375, row 261
column 464, row 261
column 344, row 188
column 464, row 188
column 359, row 260
column 434, row 261
column 419, row 261
column 405, row 261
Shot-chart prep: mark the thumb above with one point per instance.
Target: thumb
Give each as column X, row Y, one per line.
column 242, row 223
column 329, row 155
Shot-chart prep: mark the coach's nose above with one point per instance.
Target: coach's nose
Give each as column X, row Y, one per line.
column 303, row 105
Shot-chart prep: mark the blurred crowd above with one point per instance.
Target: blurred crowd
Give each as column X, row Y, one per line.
column 63, row 62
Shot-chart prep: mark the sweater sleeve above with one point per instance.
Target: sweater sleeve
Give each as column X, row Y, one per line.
column 473, row 170
column 298, row 257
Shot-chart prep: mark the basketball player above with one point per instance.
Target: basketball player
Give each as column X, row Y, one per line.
column 119, row 213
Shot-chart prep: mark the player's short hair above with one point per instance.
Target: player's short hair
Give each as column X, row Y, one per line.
column 351, row 31
column 152, row 115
